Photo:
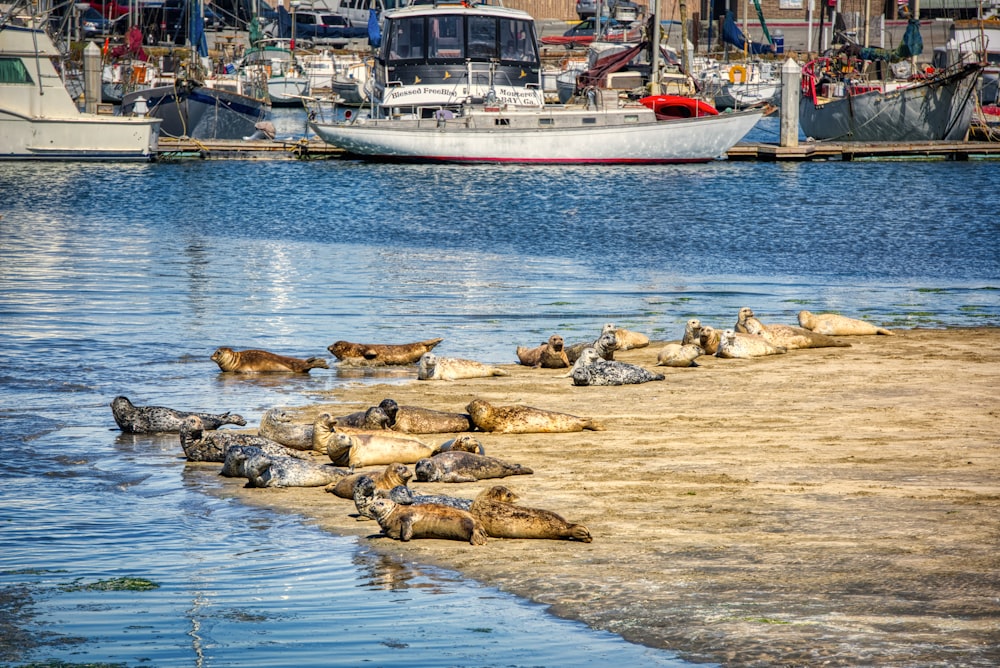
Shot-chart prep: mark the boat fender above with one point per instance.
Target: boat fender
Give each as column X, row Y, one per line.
column 737, row 70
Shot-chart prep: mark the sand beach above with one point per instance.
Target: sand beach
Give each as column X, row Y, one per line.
column 833, row 506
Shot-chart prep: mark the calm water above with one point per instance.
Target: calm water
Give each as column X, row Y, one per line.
column 122, row 279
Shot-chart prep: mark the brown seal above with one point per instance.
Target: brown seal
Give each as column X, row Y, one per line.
column 417, row 420
column 785, row 336
column 525, row 419
column 709, row 339
column 833, row 324
column 381, row 354
column 501, row 518
column 357, row 448
column 733, row 345
column 326, row 431
column 549, row 355
column 462, row 443
column 427, row 521
column 372, row 418
column 629, row 340
column 392, row 475
column 680, row 355
column 260, row 361
column 432, row 367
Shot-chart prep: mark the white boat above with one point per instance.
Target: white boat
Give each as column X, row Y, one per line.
column 39, row 119
column 274, row 64
column 462, row 83
column 351, row 85
column 745, row 85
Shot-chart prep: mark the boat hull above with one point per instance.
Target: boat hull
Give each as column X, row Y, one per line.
column 462, row 140
column 196, row 111
column 939, row 108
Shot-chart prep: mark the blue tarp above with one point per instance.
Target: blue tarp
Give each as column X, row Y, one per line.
column 731, row 34
column 374, row 31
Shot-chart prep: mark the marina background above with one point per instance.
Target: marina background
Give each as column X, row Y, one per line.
column 122, row 279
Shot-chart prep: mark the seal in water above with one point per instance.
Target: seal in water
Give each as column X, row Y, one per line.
column 680, row 355
column 134, row 419
column 458, row 466
column 391, row 476
column 417, row 420
column 432, row 367
column 210, row 446
column 519, row 419
column 590, row 369
column 785, row 336
column 261, row 361
column 381, row 354
column 279, row 426
column 501, row 518
column 549, row 355
column 692, row 331
column 833, row 324
column 734, row 345
column 709, row 339
column 427, row 521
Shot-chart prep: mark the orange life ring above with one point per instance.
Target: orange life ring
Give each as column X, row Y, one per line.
column 668, row 107
column 737, row 69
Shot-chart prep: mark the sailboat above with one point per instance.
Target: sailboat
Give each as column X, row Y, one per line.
column 189, row 106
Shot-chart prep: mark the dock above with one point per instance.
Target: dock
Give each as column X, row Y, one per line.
column 170, row 149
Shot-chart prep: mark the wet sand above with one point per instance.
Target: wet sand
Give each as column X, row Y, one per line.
column 835, row 506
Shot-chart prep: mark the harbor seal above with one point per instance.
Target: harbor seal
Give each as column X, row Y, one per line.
column 590, row 369
column 200, row 445
column 785, row 336
column 629, row 340
column 328, row 438
column 692, row 332
column 417, row 420
column 549, row 355
column 279, row 426
column 242, row 461
column 605, row 344
column 427, row 521
column 709, row 339
column 733, row 345
column 381, row 354
column 292, row 472
column 680, row 355
column 360, row 450
column 133, row 419
column 833, row 324
column 262, row 361
column 392, row 475
column 517, row 419
column 457, row 466
column 463, row 443
column 501, row 518
column 432, row 367
column 365, row 492
column 372, row 418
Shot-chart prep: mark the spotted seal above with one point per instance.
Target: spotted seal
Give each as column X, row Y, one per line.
column 458, row 466
column 200, row 445
column 785, row 336
column 736, row 345
column 133, row 419
column 241, row 461
column 606, row 344
column 549, row 355
column 392, row 475
column 279, row 426
column 590, row 369
column 709, row 339
column 495, row 508
column 427, row 521
column 833, row 324
column 432, row 367
column 417, row 420
column 692, row 332
column 381, row 354
column 680, row 355
column 293, row 472
column 518, row 419
column 262, row 361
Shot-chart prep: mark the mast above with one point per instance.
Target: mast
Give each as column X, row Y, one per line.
column 654, row 79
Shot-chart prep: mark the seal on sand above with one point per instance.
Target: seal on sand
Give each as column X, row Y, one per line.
column 432, row 367
column 590, row 369
column 735, row 345
column 242, row 461
column 381, row 354
column 629, row 340
column 329, row 438
column 417, row 420
column 463, row 443
column 292, row 472
column 210, row 446
column 365, row 492
column 549, row 355
column 680, row 355
column 605, row 344
column 785, row 336
column 260, row 361
column 372, row 418
column 692, row 331
column 278, row 426
column 457, row 466
column 392, row 475
column 134, row 419
column 709, row 339
column 833, row 324
column 358, row 450
column 517, row 419
column 501, row 518
column 427, row 521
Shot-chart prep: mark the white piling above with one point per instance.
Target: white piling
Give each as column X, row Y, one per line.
column 91, row 77
column 791, row 79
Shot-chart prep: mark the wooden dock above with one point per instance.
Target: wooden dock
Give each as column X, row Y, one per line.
column 170, row 149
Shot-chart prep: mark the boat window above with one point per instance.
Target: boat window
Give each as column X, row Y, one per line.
column 445, row 39
column 12, row 71
column 482, row 42
column 516, row 41
column 406, row 42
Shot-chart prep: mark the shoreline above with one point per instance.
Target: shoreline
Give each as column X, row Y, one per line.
column 834, row 505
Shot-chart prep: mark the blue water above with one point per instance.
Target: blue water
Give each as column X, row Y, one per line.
column 122, row 279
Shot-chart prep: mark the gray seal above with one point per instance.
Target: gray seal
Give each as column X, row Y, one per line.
column 606, row 344
column 458, row 466
column 133, row 419
column 590, row 369
column 279, row 426
column 293, row 472
column 200, row 445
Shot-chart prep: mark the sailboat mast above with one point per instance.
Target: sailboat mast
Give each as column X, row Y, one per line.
column 654, row 79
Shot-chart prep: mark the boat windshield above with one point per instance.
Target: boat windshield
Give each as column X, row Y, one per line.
column 451, row 37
